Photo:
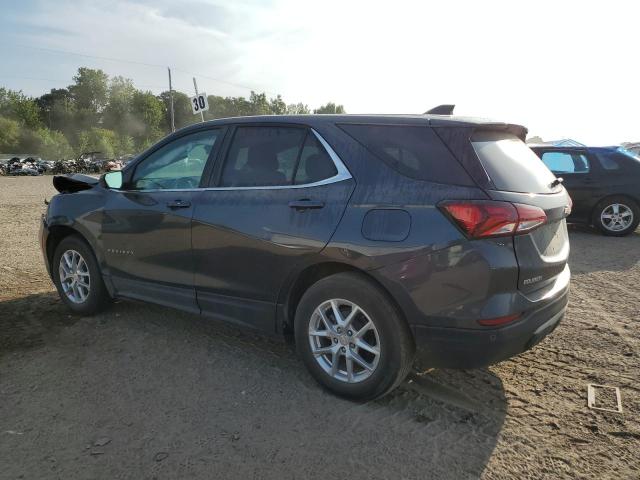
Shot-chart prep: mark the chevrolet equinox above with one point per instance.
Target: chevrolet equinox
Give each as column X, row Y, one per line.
column 369, row 239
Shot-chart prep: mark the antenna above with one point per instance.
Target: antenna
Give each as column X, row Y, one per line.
column 441, row 110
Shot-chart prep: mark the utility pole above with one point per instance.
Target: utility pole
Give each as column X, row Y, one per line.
column 195, row 85
column 173, row 121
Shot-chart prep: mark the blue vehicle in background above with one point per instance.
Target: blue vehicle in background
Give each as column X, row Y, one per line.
column 603, row 182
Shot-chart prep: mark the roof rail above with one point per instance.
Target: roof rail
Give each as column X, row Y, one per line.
column 441, row 110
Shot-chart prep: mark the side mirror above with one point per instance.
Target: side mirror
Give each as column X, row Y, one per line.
column 113, row 179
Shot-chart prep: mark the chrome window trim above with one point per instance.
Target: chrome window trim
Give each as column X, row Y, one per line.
column 343, row 174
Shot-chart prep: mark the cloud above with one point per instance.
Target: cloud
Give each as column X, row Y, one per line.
column 532, row 64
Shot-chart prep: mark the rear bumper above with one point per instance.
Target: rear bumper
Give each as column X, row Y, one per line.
column 473, row 348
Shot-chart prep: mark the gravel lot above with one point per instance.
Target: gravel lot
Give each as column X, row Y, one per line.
column 146, row 392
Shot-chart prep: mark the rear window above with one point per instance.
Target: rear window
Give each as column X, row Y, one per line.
column 414, row 151
column 629, row 153
column 609, row 161
column 511, row 165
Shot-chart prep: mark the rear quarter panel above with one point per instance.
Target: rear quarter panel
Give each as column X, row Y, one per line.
column 380, row 187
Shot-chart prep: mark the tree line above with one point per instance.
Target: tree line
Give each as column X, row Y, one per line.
column 110, row 115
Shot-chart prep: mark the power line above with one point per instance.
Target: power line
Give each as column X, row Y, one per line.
column 237, row 85
column 67, row 81
column 111, row 59
column 153, row 65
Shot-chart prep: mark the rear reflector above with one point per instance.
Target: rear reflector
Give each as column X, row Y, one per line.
column 495, row 322
column 486, row 218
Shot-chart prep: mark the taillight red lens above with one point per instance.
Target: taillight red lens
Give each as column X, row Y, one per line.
column 480, row 218
column 487, row 218
column 529, row 217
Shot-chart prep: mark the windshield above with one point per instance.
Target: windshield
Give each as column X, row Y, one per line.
column 511, row 165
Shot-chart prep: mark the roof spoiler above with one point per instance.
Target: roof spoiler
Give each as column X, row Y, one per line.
column 441, row 110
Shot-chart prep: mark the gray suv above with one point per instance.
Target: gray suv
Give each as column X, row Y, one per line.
column 368, row 239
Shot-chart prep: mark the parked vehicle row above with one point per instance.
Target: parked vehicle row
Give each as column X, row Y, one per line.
column 369, row 239
column 85, row 163
column 25, row 166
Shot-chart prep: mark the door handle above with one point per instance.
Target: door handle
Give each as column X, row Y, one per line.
column 305, row 204
column 179, row 204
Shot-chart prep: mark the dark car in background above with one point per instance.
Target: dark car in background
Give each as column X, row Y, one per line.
column 603, row 182
column 365, row 237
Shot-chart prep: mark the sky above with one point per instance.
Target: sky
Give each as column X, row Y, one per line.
column 564, row 69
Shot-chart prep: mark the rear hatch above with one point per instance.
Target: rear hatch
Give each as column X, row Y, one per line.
column 511, row 172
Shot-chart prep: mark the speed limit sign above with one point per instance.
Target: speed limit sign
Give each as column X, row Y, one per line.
column 199, row 103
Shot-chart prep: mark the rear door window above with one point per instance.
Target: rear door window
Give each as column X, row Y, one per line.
column 414, row 151
column 263, row 156
column 566, row 162
column 511, row 165
column 315, row 164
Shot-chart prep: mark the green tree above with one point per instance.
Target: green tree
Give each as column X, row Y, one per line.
column 124, row 145
column 117, row 112
column 9, row 135
column 182, row 109
column 19, row 107
column 277, row 106
column 46, row 143
column 90, row 89
column 54, row 145
column 90, row 93
column 147, row 112
column 98, row 140
column 298, row 109
column 330, row 108
column 259, row 104
column 57, row 110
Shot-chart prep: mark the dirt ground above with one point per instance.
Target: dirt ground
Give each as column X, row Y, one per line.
column 145, row 392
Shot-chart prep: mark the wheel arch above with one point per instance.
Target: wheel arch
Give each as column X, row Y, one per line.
column 290, row 296
column 57, row 233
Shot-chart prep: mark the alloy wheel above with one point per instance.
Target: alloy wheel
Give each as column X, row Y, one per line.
column 344, row 341
column 616, row 217
column 74, row 276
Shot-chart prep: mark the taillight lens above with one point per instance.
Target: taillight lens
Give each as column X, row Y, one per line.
column 486, row 218
column 529, row 217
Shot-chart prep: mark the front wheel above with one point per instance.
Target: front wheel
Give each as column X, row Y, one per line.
column 77, row 277
column 616, row 216
column 351, row 337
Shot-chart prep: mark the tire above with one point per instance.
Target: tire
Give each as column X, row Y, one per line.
column 622, row 225
column 81, row 300
column 390, row 336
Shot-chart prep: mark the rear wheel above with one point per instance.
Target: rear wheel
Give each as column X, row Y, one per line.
column 617, row 216
column 352, row 338
column 77, row 277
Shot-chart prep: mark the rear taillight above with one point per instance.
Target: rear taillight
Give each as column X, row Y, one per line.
column 529, row 217
column 486, row 218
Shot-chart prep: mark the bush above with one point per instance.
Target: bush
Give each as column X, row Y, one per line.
column 9, row 135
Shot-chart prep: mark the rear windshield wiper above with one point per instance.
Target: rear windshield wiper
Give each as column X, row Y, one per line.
column 556, row 182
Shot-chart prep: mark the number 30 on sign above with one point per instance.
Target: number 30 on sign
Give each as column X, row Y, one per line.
column 199, row 103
